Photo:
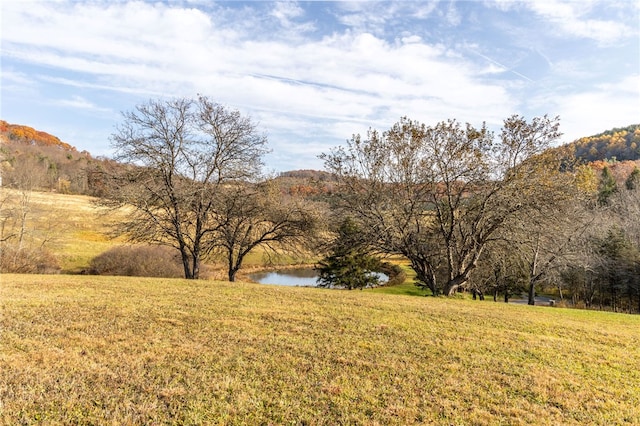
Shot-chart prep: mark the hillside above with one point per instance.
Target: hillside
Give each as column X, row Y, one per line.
column 55, row 165
column 29, row 136
column 68, row 226
column 115, row 350
column 34, row 159
column 621, row 144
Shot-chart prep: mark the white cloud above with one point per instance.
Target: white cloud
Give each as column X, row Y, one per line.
column 17, row 84
column 423, row 9
column 10, row 76
column 81, row 103
column 452, row 16
column 308, row 90
column 359, row 72
column 158, row 49
column 285, row 11
column 571, row 18
column 580, row 19
column 604, row 107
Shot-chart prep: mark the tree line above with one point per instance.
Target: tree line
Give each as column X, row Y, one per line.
column 490, row 214
column 473, row 211
column 620, row 143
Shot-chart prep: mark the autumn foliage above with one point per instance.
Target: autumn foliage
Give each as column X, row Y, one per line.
column 617, row 144
column 31, row 136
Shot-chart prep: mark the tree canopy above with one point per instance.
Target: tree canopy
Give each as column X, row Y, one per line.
column 439, row 194
column 181, row 153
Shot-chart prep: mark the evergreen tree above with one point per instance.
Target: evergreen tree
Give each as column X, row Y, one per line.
column 349, row 265
column 632, row 181
column 607, row 186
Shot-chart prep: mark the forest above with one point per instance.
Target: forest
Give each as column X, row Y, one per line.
column 471, row 212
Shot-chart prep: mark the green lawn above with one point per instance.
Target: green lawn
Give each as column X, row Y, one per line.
column 104, row 350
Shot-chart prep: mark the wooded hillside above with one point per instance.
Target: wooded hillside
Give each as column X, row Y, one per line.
column 618, row 144
column 29, row 136
column 55, row 165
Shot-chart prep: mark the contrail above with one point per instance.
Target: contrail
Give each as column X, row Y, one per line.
column 503, row 66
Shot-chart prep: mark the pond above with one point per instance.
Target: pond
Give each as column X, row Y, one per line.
column 292, row 277
column 303, row 277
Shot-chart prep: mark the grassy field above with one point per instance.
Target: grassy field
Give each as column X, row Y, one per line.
column 70, row 226
column 104, row 350
column 75, row 230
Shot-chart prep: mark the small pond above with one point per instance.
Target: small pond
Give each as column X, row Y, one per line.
column 292, row 277
column 303, row 277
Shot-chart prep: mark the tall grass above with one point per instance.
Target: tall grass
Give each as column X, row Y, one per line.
column 117, row 350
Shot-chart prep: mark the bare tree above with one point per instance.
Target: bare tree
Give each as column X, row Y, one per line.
column 438, row 195
column 259, row 215
column 547, row 240
column 180, row 153
column 25, row 180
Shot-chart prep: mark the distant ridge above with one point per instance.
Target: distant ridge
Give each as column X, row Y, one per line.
column 617, row 144
column 621, row 144
column 30, row 136
column 318, row 175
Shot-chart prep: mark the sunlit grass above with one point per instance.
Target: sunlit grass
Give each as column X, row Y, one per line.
column 105, row 350
column 75, row 230
column 408, row 287
column 70, row 226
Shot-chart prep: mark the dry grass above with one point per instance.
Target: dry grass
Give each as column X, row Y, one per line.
column 70, row 226
column 76, row 231
column 104, row 350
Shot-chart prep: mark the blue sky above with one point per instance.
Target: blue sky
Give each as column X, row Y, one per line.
column 314, row 73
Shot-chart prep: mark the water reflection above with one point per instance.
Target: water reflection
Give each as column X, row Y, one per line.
column 292, row 277
column 303, row 277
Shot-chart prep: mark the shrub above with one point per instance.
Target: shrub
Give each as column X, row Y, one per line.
column 138, row 261
column 14, row 260
column 395, row 273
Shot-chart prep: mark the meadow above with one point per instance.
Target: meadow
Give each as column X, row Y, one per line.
column 117, row 350
column 75, row 230
column 69, row 226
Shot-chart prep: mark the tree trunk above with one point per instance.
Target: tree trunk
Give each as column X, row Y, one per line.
column 532, row 292
column 454, row 284
column 24, row 206
column 234, row 265
column 560, row 291
column 232, row 274
column 460, row 279
column 188, row 273
column 195, row 271
column 532, row 272
column 425, row 274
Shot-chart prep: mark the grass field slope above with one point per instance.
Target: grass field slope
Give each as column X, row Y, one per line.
column 71, row 227
column 105, row 350
column 75, row 230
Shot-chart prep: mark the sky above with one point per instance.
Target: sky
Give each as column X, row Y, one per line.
column 312, row 74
